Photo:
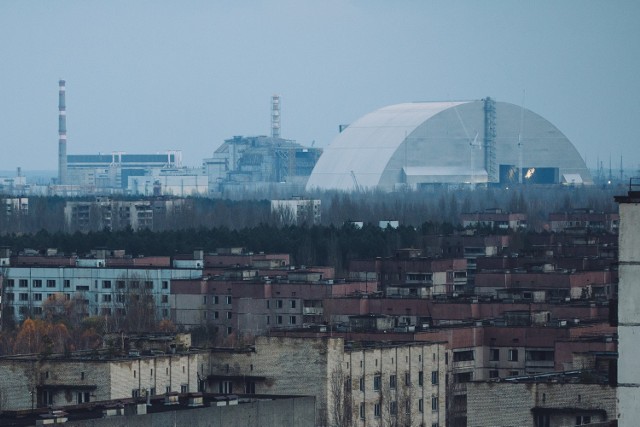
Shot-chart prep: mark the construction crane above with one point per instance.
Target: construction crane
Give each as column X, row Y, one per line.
column 520, row 140
column 473, row 145
column 355, row 182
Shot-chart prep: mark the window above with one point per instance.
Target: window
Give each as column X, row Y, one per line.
column 106, row 284
column 81, row 375
column 11, row 283
column 229, row 315
column 106, row 298
column 134, row 284
column 135, row 393
column 268, row 320
column 463, row 356
column 216, row 314
column 583, row 420
column 494, row 354
column 493, row 373
column 250, row 387
column 392, row 381
column 84, row 397
column 120, row 284
column 9, row 297
column 164, row 299
column 361, row 383
column 23, row 297
column 268, row 304
column 362, row 410
column 293, row 303
column 215, row 299
column 434, row 377
column 120, row 298
column 184, row 388
column 376, row 410
column 23, row 283
column 66, row 283
column 279, row 303
column 514, row 373
column 463, row 377
column 393, row 407
column 292, row 320
column 377, row 379
column 542, row 421
column 279, row 320
column 513, row 355
column 225, row 387
column 148, row 284
column 37, row 283
column 37, row 310
column 407, row 378
column 420, row 405
column 37, row 297
column 165, row 284
column 434, row 403
column 420, row 378
column 227, row 300
column 229, row 330
column 51, row 283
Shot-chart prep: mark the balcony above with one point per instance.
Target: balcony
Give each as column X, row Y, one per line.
column 312, row 311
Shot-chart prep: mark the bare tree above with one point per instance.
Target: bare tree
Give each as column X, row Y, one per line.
column 341, row 399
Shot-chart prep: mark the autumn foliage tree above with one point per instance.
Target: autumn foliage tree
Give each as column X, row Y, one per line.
column 40, row 336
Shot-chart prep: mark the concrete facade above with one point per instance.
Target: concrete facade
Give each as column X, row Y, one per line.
column 31, row 381
column 629, row 309
column 539, row 404
column 262, row 411
column 102, row 289
column 371, row 385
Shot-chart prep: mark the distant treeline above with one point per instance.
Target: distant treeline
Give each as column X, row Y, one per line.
column 409, row 208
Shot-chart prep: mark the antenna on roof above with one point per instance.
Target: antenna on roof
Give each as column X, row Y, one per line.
column 520, row 140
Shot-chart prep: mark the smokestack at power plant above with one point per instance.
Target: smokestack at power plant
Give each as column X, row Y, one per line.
column 275, row 116
column 62, row 134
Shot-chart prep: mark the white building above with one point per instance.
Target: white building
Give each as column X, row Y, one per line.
column 629, row 301
column 297, row 210
column 102, row 289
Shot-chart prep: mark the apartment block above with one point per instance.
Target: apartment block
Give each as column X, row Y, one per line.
column 101, row 285
column 32, row 381
column 356, row 383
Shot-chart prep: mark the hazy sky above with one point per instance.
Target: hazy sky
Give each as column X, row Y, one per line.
column 148, row 76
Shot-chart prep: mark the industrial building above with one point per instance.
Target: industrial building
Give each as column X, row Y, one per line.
column 239, row 164
column 252, row 163
column 105, row 171
column 413, row 145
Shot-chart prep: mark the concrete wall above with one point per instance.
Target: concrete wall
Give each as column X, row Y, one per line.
column 507, row 404
column 102, row 379
column 282, row 365
column 628, row 317
column 298, row 411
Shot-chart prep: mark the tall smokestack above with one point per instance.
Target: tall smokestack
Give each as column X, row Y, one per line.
column 62, row 135
column 275, row 116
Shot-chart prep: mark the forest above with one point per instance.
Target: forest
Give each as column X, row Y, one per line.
column 211, row 224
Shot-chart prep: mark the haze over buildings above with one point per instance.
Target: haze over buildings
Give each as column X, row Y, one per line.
column 184, row 77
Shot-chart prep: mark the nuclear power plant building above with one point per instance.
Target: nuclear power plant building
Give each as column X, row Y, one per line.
column 418, row 144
